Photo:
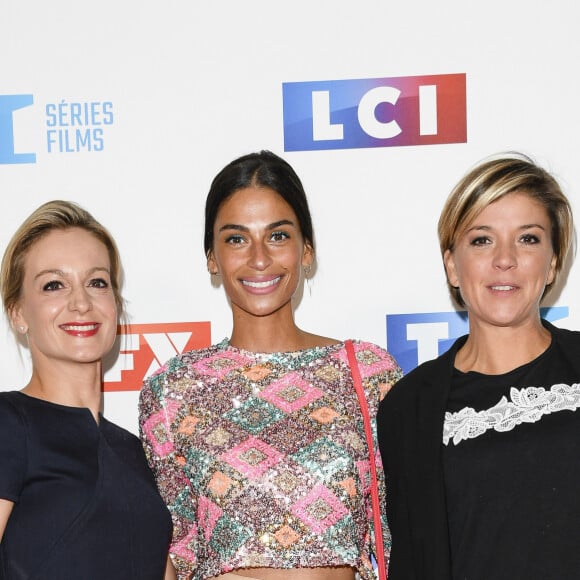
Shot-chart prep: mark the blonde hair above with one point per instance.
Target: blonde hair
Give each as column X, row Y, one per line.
column 493, row 179
column 53, row 215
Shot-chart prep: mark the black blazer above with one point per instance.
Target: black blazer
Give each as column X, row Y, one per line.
column 410, row 432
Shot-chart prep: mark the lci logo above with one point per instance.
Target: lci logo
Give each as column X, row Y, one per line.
column 380, row 112
column 415, row 338
column 145, row 347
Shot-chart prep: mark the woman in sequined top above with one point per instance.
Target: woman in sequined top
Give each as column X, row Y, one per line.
column 481, row 445
column 257, row 442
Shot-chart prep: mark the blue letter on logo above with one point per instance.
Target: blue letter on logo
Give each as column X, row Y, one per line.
column 418, row 337
column 8, row 104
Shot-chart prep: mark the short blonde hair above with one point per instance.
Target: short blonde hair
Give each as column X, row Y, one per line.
column 53, row 215
column 493, row 179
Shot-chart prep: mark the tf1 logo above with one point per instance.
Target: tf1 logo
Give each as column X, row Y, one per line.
column 380, row 112
column 415, row 338
column 143, row 348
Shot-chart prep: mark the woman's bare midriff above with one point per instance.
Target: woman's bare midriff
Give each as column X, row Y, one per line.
column 322, row 573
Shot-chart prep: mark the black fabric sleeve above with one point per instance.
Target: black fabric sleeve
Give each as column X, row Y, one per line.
column 13, row 452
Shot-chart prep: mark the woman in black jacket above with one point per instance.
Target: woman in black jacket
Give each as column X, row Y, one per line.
column 481, row 446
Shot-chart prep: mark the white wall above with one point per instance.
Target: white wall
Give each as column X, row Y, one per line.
column 193, row 85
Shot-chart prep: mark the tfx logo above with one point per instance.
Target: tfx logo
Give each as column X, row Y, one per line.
column 9, row 104
column 383, row 112
column 145, row 347
column 415, row 338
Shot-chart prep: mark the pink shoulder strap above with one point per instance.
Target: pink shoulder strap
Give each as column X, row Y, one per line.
column 380, row 555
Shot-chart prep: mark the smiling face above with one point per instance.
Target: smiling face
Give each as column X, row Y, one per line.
column 259, row 251
column 503, row 262
column 67, row 305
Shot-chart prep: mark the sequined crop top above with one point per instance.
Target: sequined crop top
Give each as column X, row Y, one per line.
column 262, row 458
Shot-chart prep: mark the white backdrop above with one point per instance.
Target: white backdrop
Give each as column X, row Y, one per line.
column 131, row 108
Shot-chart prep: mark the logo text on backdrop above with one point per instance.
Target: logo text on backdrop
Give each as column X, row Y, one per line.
column 143, row 348
column 9, row 104
column 418, row 337
column 69, row 127
column 379, row 112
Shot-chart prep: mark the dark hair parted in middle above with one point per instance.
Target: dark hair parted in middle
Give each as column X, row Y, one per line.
column 263, row 169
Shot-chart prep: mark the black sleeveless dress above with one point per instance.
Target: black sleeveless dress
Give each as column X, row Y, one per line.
column 85, row 503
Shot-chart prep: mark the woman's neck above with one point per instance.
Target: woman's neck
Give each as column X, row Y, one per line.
column 498, row 350
column 274, row 333
column 73, row 385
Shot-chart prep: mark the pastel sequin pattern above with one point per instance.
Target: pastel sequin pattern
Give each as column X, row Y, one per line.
column 262, row 459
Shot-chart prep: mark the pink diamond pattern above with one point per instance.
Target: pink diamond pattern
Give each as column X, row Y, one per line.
column 371, row 360
column 252, row 457
column 185, row 548
column 157, row 428
column 319, row 509
column 291, row 393
column 364, row 472
column 220, row 364
column 208, row 514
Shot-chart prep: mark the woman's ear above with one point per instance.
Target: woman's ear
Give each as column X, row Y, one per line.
column 552, row 270
column 307, row 255
column 211, row 264
column 17, row 320
column 450, row 270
